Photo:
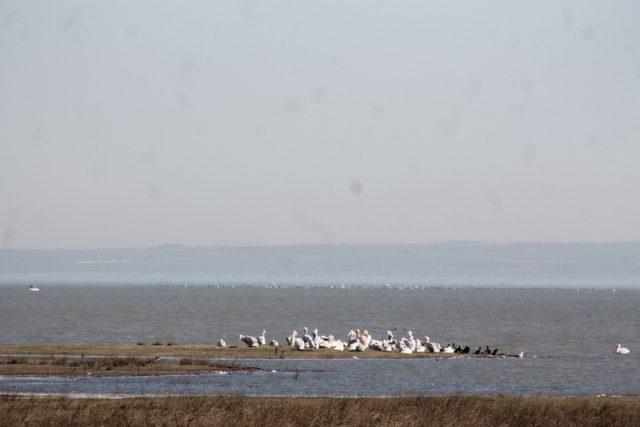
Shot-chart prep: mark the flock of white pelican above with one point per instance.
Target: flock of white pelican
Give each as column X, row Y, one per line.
column 361, row 341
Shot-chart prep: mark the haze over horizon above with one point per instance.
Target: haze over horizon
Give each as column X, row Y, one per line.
column 267, row 124
column 443, row 243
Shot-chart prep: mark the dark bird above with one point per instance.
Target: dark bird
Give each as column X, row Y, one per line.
column 478, row 350
column 495, row 351
column 466, row 350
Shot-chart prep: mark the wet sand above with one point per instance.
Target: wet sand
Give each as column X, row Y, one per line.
column 112, row 366
column 212, row 351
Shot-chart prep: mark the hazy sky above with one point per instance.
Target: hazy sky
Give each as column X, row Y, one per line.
column 136, row 123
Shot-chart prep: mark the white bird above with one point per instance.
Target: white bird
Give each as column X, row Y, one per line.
column 409, row 342
column 388, row 346
column 390, row 336
column 376, row 345
column 274, row 343
column 337, row 345
column 365, row 338
column 353, row 346
column 352, row 336
column 262, row 338
column 308, row 339
column 622, row 350
column 249, row 341
column 404, row 348
column 326, row 342
column 299, row 344
column 317, row 340
column 433, row 347
column 448, row 349
column 221, row 342
column 292, row 338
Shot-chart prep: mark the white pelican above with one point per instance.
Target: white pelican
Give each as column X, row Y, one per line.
column 390, row 336
column 433, row 347
column 292, row 338
column 376, row 345
column 274, row 343
column 326, row 342
column 404, row 348
column 352, row 336
column 308, row 339
column 448, row 349
column 337, row 345
column 249, row 341
column 353, row 346
column 262, row 338
column 388, row 346
column 299, row 344
column 409, row 342
column 221, row 342
column 365, row 338
column 622, row 350
column 317, row 340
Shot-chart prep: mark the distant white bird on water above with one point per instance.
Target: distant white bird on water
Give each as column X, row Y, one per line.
column 221, row 342
column 622, row 350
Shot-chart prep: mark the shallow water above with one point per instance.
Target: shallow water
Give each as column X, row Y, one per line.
column 571, row 333
column 371, row 377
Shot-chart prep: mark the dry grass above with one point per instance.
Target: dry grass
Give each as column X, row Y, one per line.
column 238, row 410
column 210, row 351
column 111, row 366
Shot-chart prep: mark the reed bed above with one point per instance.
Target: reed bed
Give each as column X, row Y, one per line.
column 248, row 411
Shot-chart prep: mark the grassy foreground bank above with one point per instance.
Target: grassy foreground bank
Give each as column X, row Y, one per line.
column 238, row 410
column 209, row 351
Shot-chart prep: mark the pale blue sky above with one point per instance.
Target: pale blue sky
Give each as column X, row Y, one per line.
column 214, row 123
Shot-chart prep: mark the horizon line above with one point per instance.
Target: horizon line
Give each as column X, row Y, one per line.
column 294, row 245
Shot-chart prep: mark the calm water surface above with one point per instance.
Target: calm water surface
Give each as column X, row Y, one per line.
column 571, row 333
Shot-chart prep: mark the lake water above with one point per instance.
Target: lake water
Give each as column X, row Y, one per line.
column 568, row 336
